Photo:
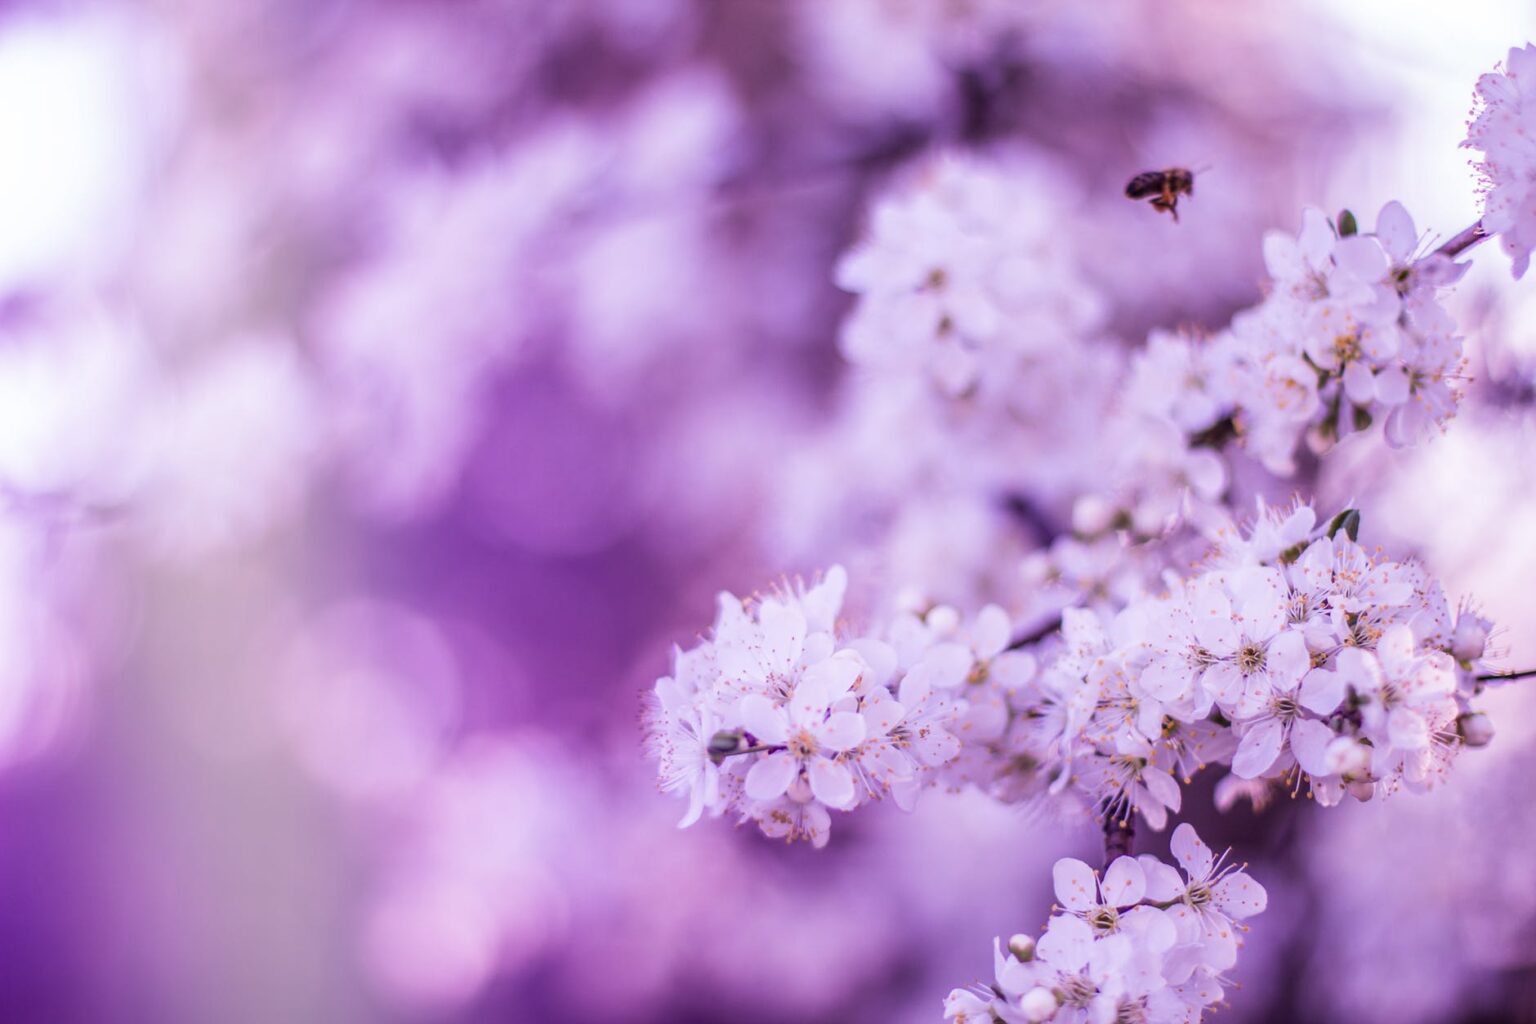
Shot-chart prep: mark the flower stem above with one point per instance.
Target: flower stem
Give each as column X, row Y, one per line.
column 1503, row 676
column 1463, row 241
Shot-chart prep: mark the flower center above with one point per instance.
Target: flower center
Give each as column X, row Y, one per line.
column 1250, row 658
column 1104, row 920
column 802, row 745
column 1078, row 991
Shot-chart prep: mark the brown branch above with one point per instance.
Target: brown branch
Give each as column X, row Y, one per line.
column 1463, row 241
column 1506, row 676
column 1117, row 837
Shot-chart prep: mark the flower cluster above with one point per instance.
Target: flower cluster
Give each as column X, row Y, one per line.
column 958, row 276
column 782, row 715
column 1504, row 130
column 1295, row 654
column 1146, row 942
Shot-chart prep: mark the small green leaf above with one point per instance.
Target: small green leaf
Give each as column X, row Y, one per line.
column 1347, row 224
column 1348, row 521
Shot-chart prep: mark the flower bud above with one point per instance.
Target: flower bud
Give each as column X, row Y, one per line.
column 942, row 619
column 724, row 743
column 1038, row 1004
column 1022, row 947
column 1348, row 757
column 1092, row 515
column 1476, row 729
column 1470, row 639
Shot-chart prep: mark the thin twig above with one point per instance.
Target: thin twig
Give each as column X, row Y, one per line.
column 1034, row 636
column 1117, row 838
column 1505, row 676
column 1463, row 241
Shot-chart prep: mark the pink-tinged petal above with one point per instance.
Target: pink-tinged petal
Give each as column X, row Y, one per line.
column 1395, row 651
column 1239, row 896
column 1153, row 813
column 1185, row 921
column 1223, row 681
column 810, row 701
column 1359, row 383
column 835, row 675
column 1309, row 744
column 759, row 717
column 1407, row 730
column 1214, row 628
column 816, row 823
column 887, row 765
column 1282, row 256
column 914, row 689
column 1395, row 229
column 1258, row 601
column 946, row 665
column 783, row 635
column 1074, row 884
column 1361, row 257
column 823, row 601
column 771, row 775
column 1163, row 789
column 831, row 782
column 842, row 731
column 1151, row 927
column 1066, row 944
column 1322, row 691
column 1191, row 852
column 1124, row 883
column 1392, row 386
column 1287, row 659
column 880, row 657
column 1218, row 948
column 695, row 807
column 881, row 713
column 1316, row 239
column 935, row 747
column 1258, row 749
column 1013, row 669
column 738, row 664
column 992, row 632
column 1359, row 670
column 1167, row 678
column 1163, row 882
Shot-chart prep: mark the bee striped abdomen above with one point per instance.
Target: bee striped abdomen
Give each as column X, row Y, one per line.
column 1145, row 184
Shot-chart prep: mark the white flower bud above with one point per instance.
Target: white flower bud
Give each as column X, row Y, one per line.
column 1091, row 515
column 1022, row 947
column 1038, row 1004
column 1348, row 757
column 943, row 619
column 1476, row 729
column 1470, row 639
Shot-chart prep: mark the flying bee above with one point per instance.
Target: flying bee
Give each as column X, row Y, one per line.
column 1163, row 187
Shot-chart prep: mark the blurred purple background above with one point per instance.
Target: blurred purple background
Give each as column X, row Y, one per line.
column 385, row 386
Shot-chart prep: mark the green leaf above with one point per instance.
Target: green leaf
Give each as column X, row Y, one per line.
column 1348, row 521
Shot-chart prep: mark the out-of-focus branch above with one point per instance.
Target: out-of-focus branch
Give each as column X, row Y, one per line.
column 1117, row 838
